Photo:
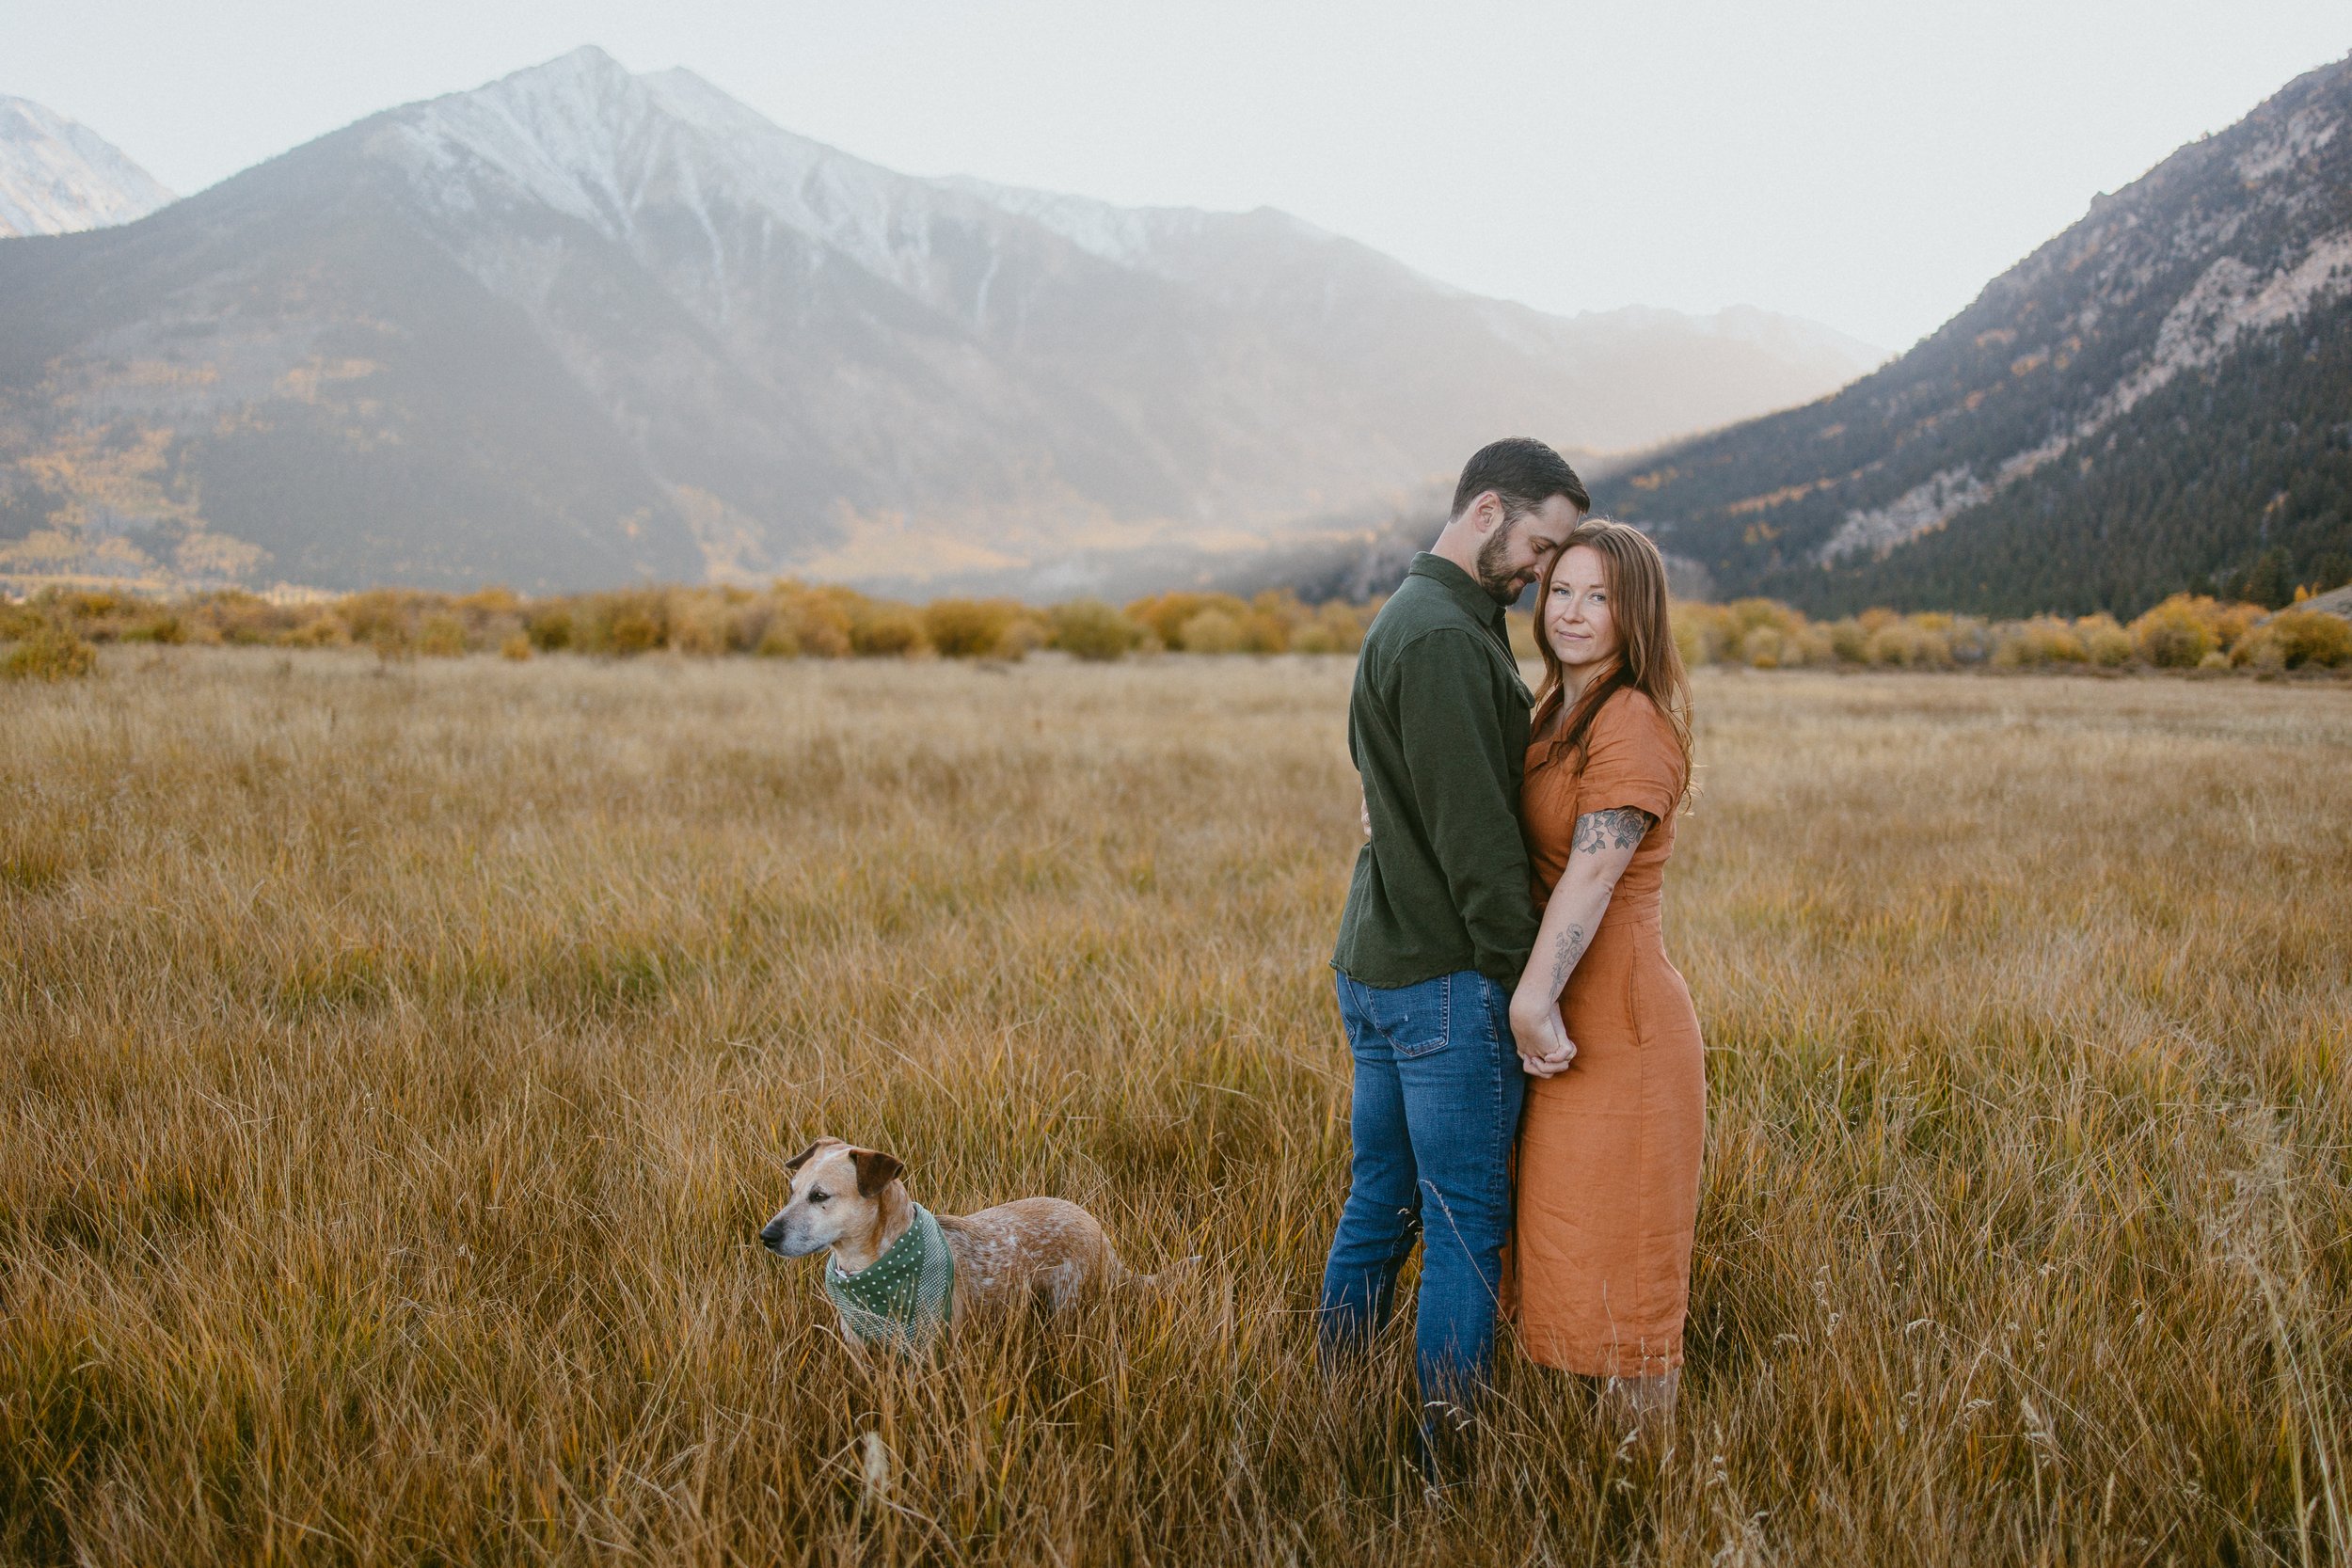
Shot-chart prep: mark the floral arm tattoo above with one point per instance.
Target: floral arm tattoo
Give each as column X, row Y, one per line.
column 1564, row 953
column 1619, row 829
column 1596, row 830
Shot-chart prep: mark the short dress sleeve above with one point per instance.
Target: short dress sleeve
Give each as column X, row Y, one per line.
column 1631, row 758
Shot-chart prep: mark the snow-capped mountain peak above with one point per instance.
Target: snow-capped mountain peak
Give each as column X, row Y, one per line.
column 567, row 135
column 58, row 177
column 583, row 136
column 580, row 326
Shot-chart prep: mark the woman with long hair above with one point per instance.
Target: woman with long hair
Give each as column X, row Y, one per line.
column 1616, row 1105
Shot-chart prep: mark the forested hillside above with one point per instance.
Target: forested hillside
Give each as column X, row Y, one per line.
column 2158, row 400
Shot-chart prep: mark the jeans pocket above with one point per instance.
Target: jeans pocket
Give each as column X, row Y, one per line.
column 1412, row 1019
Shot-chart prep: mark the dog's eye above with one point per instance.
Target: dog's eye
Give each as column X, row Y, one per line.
column 817, row 1195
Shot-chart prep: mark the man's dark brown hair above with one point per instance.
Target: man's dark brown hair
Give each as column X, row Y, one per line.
column 1523, row 472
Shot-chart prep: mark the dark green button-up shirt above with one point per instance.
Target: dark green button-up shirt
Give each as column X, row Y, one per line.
column 1438, row 725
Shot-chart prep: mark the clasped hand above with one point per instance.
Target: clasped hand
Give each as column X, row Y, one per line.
column 1545, row 1049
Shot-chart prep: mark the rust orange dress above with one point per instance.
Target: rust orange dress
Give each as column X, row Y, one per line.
column 1609, row 1150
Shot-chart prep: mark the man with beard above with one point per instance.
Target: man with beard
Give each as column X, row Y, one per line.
column 1438, row 924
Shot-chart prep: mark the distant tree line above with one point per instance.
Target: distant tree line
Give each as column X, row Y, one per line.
column 56, row 632
column 784, row 619
column 2185, row 632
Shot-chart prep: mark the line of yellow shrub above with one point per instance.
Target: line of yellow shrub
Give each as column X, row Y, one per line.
column 785, row 620
column 2185, row 632
column 794, row 620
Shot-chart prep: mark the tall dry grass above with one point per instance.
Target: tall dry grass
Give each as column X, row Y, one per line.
column 395, row 1061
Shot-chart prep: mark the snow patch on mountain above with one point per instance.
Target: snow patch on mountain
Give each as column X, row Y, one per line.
column 58, row 177
column 583, row 136
column 579, row 134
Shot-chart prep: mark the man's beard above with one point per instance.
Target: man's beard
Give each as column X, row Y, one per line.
column 1502, row 584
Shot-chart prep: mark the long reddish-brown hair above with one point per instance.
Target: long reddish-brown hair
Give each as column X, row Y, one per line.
column 1646, row 660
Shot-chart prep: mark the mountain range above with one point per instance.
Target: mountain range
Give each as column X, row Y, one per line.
column 2158, row 400
column 579, row 328
column 58, row 177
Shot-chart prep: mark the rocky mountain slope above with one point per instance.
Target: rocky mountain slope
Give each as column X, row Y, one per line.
column 580, row 327
column 2159, row 399
column 58, row 177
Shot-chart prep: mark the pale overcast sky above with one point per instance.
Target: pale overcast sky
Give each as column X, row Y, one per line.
column 1867, row 163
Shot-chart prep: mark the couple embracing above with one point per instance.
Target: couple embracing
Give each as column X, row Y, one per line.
column 1502, row 977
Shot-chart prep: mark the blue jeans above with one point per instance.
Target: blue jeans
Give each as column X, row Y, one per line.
column 1436, row 1105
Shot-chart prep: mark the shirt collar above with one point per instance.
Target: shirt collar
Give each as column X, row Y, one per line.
column 1472, row 598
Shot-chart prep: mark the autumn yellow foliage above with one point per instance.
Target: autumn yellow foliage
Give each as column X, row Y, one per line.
column 788, row 619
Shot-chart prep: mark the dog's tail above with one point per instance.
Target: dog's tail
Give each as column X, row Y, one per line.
column 1126, row 1277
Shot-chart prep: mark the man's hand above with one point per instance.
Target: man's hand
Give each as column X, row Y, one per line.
column 1545, row 1049
column 1363, row 812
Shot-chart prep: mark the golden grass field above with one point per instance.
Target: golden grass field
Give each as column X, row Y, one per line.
column 396, row 1060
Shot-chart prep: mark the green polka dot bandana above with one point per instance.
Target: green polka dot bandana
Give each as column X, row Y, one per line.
column 904, row 1297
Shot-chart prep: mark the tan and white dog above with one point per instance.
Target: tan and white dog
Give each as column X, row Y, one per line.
column 849, row 1201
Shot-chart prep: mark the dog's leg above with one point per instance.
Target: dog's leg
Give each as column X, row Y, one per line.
column 1064, row 1284
column 856, row 1345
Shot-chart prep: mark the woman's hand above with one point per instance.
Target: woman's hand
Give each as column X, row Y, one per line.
column 1604, row 847
column 1545, row 1049
column 1363, row 812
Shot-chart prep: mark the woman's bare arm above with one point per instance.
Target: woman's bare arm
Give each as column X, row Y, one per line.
column 1603, row 847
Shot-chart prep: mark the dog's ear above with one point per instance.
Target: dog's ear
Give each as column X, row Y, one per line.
column 803, row 1157
column 874, row 1170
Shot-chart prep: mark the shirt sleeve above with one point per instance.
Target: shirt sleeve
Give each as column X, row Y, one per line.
column 1464, row 788
column 1631, row 758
